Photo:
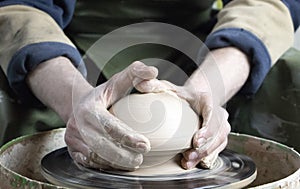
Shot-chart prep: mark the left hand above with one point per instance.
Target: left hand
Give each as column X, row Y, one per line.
column 211, row 138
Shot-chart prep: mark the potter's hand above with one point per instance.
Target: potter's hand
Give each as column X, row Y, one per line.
column 208, row 141
column 211, row 138
column 96, row 138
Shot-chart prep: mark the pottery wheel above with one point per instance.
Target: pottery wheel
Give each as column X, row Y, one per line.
column 231, row 170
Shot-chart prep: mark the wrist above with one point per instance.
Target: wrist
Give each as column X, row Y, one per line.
column 52, row 83
column 221, row 74
column 234, row 68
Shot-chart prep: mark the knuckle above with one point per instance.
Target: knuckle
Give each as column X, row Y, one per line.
column 71, row 126
column 137, row 63
column 68, row 139
column 227, row 128
column 106, row 124
column 132, row 68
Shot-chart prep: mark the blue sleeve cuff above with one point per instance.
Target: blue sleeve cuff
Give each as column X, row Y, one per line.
column 60, row 10
column 252, row 46
column 294, row 7
column 28, row 57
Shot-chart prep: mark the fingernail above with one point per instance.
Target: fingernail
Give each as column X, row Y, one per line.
column 189, row 165
column 193, row 155
column 143, row 147
column 202, row 131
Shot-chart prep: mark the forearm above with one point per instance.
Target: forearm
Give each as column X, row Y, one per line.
column 52, row 83
column 28, row 37
column 222, row 74
column 262, row 29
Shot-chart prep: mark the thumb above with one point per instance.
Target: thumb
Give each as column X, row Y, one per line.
column 122, row 83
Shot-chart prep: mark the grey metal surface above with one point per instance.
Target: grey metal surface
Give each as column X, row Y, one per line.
column 231, row 170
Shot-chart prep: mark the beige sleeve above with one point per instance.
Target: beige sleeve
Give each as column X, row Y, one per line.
column 29, row 37
column 23, row 25
column 269, row 20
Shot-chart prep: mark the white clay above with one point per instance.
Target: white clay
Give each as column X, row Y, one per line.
column 165, row 119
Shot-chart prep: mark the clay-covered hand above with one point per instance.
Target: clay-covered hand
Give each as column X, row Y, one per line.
column 96, row 138
column 211, row 138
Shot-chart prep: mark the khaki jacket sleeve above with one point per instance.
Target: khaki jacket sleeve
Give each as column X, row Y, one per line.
column 28, row 37
column 269, row 20
column 263, row 29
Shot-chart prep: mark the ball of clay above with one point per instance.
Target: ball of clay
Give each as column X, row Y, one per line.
column 165, row 119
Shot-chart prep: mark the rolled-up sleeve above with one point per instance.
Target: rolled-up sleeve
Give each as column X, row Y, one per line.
column 263, row 30
column 28, row 37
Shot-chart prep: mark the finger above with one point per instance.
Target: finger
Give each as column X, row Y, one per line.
column 206, row 109
column 88, row 162
column 207, row 141
column 209, row 161
column 203, row 106
column 192, row 158
column 205, row 146
column 216, row 130
column 98, row 162
column 205, row 150
column 83, row 154
column 142, row 71
column 94, row 161
column 74, row 141
column 109, row 151
column 114, row 154
column 123, row 82
column 155, row 86
column 211, row 146
column 104, row 123
column 77, row 149
column 87, row 158
column 190, row 154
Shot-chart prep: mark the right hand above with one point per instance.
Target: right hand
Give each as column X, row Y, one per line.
column 211, row 138
column 97, row 139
